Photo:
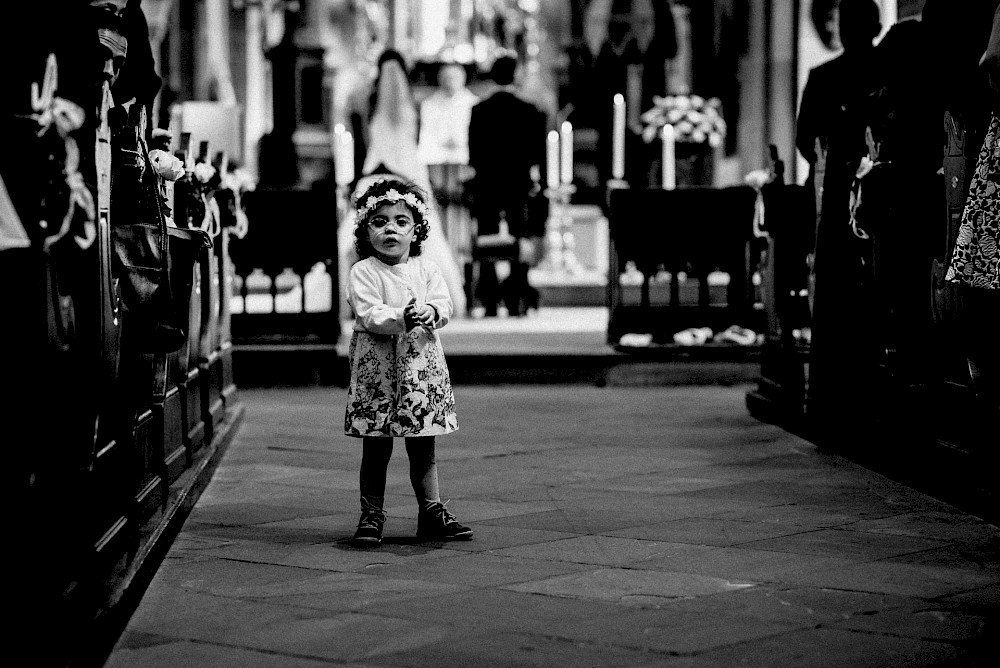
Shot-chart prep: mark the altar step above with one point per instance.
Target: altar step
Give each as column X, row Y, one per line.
column 553, row 345
column 573, row 295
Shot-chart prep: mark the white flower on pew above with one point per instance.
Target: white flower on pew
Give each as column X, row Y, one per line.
column 204, row 172
column 758, row 178
column 167, row 166
column 238, row 180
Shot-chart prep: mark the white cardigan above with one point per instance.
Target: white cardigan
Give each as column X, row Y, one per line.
column 378, row 293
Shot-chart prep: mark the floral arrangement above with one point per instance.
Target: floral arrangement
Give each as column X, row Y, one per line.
column 409, row 199
column 694, row 118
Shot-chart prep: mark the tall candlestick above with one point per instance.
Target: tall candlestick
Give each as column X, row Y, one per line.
column 668, row 159
column 618, row 147
column 566, row 139
column 552, row 159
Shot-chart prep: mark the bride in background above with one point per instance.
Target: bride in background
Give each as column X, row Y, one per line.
column 391, row 143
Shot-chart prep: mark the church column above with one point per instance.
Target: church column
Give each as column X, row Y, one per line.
column 255, row 115
column 782, row 87
column 215, row 80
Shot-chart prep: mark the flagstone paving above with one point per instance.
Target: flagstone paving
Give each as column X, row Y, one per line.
column 657, row 526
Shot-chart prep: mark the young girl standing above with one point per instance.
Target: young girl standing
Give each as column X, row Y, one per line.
column 399, row 379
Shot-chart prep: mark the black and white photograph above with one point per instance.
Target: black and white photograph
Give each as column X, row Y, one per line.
column 681, row 318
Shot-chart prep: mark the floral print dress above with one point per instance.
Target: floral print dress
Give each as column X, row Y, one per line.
column 976, row 259
column 400, row 384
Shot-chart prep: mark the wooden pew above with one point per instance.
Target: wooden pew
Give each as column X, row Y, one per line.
column 788, row 231
column 209, row 360
column 191, row 385
column 224, row 345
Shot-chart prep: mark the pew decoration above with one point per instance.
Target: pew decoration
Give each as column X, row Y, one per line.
column 868, row 164
column 198, row 187
column 58, row 119
column 236, row 183
column 757, row 179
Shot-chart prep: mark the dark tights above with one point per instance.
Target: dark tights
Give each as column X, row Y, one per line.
column 376, row 453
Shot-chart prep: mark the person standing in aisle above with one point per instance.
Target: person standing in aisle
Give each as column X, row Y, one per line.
column 444, row 118
column 444, row 148
column 399, row 386
column 507, row 152
column 836, row 90
column 832, row 115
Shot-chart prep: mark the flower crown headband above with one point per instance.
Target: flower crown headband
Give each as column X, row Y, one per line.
column 371, row 203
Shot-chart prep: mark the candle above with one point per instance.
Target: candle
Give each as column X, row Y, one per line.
column 669, row 161
column 552, row 159
column 345, row 170
column 566, row 139
column 618, row 147
column 338, row 157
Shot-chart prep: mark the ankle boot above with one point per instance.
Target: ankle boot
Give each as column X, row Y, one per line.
column 369, row 529
column 435, row 523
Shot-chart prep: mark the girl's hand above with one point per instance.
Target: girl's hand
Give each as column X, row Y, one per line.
column 426, row 315
column 419, row 315
column 410, row 314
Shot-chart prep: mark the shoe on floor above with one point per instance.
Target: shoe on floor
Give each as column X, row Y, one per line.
column 437, row 523
column 738, row 335
column 369, row 530
column 693, row 336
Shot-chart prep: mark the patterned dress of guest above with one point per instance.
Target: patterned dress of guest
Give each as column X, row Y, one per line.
column 976, row 259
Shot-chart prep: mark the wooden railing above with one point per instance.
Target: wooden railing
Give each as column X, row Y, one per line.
column 680, row 259
column 285, row 300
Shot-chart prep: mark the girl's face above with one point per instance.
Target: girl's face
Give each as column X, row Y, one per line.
column 391, row 231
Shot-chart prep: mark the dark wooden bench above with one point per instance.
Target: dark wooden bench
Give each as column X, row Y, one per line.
column 789, row 237
column 102, row 431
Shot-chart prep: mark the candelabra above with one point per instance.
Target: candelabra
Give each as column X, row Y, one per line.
column 560, row 242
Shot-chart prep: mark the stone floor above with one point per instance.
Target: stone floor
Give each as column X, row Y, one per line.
column 614, row 526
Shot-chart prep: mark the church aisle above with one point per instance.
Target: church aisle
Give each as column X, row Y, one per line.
column 613, row 526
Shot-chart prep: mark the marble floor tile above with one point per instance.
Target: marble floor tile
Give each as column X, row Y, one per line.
column 823, row 648
column 476, row 569
column 597, row 550
column 853, row 545
column 707, row 531
column 629, row 586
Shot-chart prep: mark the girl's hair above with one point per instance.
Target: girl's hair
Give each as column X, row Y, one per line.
column 390, row 190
